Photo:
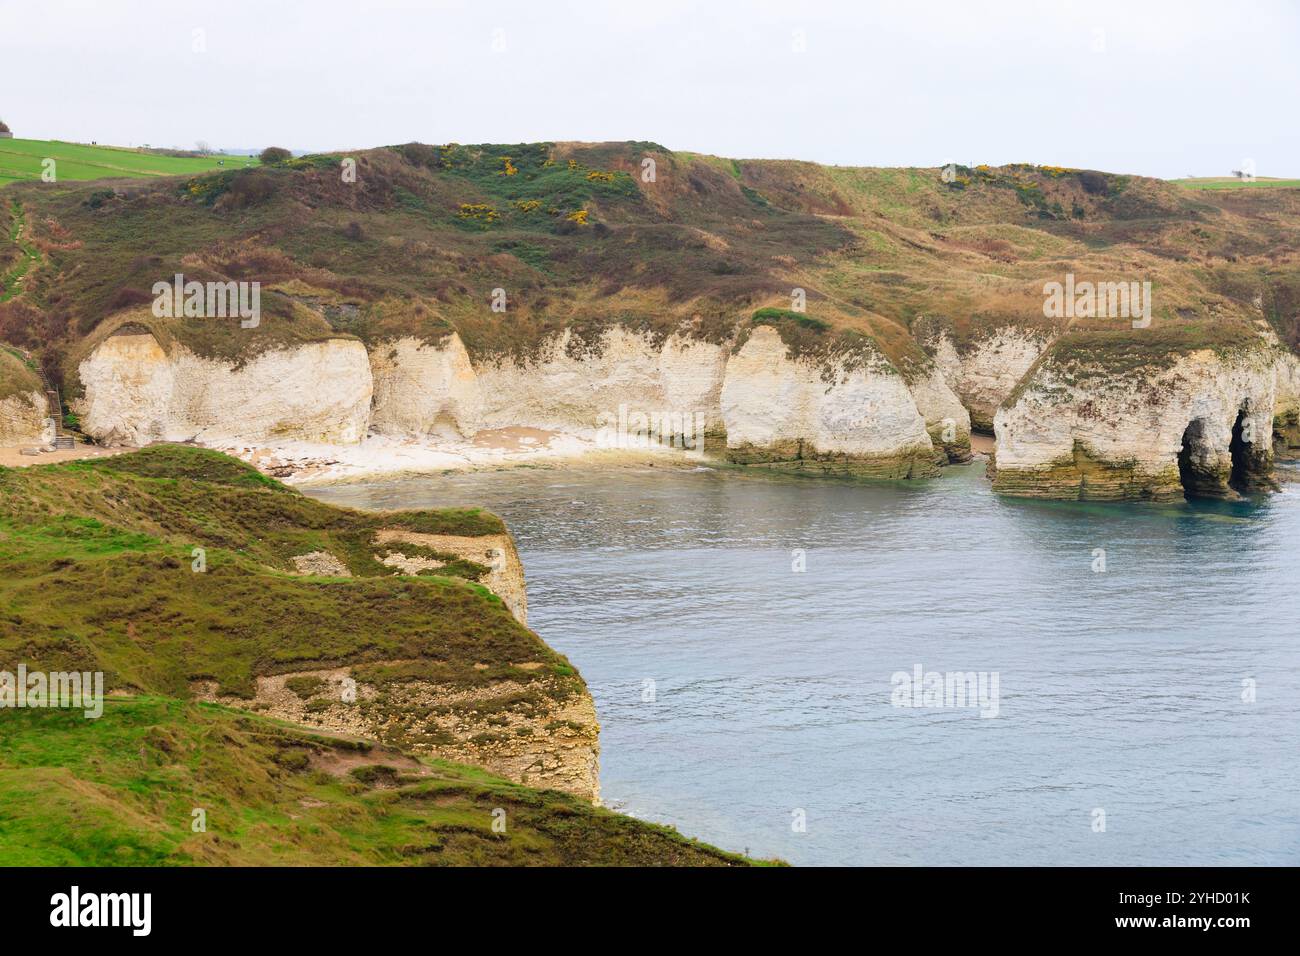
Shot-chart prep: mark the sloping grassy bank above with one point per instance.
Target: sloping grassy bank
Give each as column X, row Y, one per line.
column 158, row 782
column 170, row 570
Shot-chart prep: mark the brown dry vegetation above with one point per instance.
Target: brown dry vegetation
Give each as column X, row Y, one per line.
column 417, row 244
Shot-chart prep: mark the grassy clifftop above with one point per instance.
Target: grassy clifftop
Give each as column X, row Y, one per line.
column 171, row 570
column 123, row 790
column 98, row 564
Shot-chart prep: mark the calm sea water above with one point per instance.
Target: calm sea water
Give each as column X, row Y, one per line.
column 1124, row 692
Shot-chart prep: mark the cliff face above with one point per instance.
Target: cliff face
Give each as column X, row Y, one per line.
column 542, row 732
column 985, row 373
column 505, row 577
column 135, row 393
column 1286, row 411
column 794, row 415
column 1201, row 427
column 1202, row 422
column 24, row 412
column 24, row 419
column 947, row 421
column 757, row 404
column 422, row 389
column 826, row 320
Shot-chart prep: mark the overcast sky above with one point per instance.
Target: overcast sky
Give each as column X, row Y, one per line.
column 1164, row 89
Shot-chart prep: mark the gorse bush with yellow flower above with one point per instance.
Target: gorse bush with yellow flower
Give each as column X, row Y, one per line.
column 478, row 211
column 524, row 184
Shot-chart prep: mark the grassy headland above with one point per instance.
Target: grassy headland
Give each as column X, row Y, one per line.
column 170, row 570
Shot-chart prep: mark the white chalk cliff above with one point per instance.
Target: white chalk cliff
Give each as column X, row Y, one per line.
column 985, row 373
column 135, row 393
column 1145, row 433
column 1203, row 425
column 772, row 407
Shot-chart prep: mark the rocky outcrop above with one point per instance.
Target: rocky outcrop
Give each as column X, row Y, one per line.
column 24, row 411
column 533, row 722
column 320, row 563
column 541, row 733
column 1200, row 425
column 985, row 372
column 136, row 392
column 1286, row 410
column 794, row 414
column 24, row 419
column 496, row 552
column 946, row 419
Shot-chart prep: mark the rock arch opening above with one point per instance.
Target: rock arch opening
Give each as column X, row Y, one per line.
column 1207, row 470
column 1199, row 470
column 1240, row 477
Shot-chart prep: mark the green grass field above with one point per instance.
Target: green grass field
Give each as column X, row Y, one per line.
column 1232, row 182
column 20, row 159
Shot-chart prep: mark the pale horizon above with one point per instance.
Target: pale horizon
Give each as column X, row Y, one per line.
column 1165, row 90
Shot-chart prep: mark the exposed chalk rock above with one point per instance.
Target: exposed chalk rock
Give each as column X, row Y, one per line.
column 1286, row 411
column 946, row 420
column 579, row 391
column 135, row 393
column 497, row 552
column 1201, row 426
column 758, row 405
column 320, row 563
column 24, row 419
column 984, row 374
column 794, row 414
column 555, row 744
column 424, row 389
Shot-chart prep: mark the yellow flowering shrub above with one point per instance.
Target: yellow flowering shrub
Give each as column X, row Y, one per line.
column 479, row 211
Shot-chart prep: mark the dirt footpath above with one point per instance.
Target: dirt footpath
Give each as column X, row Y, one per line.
column 12, row 457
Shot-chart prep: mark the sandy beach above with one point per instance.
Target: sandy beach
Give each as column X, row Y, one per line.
column 310, row 463
column 306, row 463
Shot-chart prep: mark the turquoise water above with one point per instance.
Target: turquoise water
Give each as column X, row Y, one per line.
column 1119, row 692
